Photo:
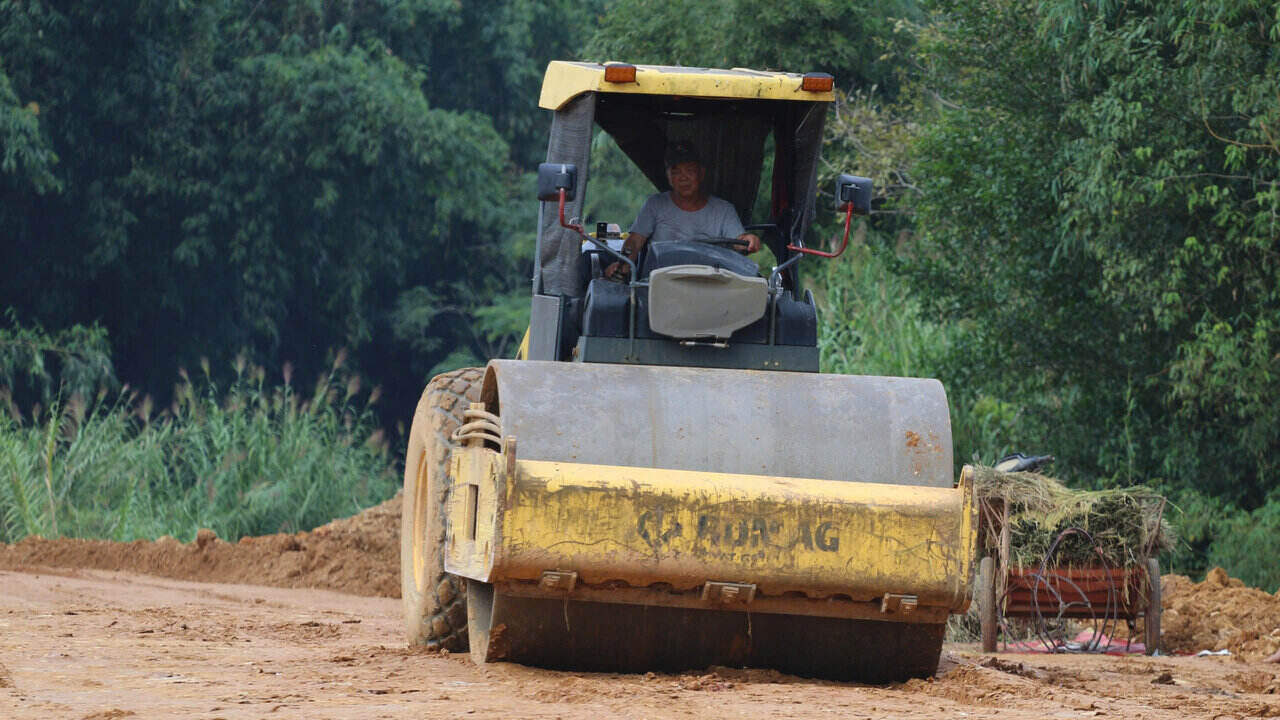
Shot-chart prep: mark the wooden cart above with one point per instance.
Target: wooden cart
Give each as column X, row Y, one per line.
column 1098, row 594
column 1057, row 593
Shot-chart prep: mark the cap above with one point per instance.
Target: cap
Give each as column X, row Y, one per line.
column 681, row 151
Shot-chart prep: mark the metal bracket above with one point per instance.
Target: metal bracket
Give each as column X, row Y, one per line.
column 558, row 580
column 725, row 593
column 701, row 343
column 509, row 453
column 894, row 603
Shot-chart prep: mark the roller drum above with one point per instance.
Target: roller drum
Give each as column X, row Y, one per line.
column 805, row 425
column 744, row 422
column 604, row 637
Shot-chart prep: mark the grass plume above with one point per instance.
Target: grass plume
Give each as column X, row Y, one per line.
column 246, row 459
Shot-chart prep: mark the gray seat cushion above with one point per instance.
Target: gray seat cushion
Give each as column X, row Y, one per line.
column 700, row 301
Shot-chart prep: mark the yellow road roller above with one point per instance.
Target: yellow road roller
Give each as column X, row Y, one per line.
column 662, row 479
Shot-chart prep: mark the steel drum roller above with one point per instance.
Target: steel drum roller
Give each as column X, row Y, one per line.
column 804, row 425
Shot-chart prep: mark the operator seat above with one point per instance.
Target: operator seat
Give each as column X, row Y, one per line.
column 606, row 305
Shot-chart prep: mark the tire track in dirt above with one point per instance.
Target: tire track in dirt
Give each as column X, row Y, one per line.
column 80, row 642
column 77, row 642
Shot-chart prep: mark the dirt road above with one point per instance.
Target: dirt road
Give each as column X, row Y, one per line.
column 98, row 644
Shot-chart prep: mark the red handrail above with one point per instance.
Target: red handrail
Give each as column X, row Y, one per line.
column 848, row 219
column 563, row 224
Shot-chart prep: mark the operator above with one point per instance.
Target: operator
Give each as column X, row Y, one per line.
column 685, row 212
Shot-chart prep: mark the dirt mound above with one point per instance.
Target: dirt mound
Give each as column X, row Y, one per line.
column 1219, row 614
column 358, row 555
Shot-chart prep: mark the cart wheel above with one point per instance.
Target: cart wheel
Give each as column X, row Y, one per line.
column 987, row 603
column 1152, row 617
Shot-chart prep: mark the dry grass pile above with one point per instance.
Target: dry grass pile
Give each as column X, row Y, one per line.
column 1046, row 520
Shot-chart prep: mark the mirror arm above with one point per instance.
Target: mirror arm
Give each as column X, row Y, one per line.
column 563, row 224
column 775, row 277
column 848, row 220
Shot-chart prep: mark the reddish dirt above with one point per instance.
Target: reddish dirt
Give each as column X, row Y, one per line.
column 81, row 639
column 1219, row 614
column 100, row 644
column 358, row 555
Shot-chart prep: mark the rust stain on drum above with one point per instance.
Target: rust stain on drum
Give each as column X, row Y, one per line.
column 913, row 439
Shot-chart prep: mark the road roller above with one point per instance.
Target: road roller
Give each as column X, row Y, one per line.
column 662, row 479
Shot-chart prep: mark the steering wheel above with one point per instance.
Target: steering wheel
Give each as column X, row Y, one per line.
column 731, row 243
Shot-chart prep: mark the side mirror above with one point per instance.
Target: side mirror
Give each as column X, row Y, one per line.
column 852, row 193
column 554, row 177
column 856, row 190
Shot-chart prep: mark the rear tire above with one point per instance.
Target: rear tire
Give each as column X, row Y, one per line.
column 1151, row 620
column 435, row 602
column 987, row 615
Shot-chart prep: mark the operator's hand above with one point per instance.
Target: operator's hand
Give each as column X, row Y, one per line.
column 753, row 242
column 619, row 269
column 631, row 248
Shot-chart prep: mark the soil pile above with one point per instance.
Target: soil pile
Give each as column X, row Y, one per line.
column 358, row 555
column 1219, row 614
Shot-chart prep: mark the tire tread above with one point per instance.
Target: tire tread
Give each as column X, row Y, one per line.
column 443, row 624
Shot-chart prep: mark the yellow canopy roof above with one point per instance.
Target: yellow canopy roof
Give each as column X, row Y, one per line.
column 566, row 80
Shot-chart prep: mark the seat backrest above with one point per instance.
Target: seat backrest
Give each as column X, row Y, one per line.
column 666, row 254
column 701, row 301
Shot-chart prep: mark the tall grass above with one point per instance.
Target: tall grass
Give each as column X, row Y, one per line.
column 872, row 324
column 246, row 459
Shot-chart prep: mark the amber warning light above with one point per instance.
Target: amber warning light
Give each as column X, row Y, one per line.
column 619, row 73
column 816, row 82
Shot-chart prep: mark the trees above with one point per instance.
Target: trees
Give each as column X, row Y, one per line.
column 27, row 160
column 848, row 40
column 1108, row 175
column 206, row 178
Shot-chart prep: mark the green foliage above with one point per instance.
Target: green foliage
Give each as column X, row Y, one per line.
column 869, row 323
column 872, row 136
column 617, row 187
column 489, row 57
column 245, row 460
column 1214, row 533
column 1097, row 199
column 857, row 43
column 1247, row 543
column 27, row 160
column 37, row 364
column 361, row 197
column 1094, row 194
column 271, row 176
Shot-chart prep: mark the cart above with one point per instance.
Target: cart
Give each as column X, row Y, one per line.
column 1050, row 594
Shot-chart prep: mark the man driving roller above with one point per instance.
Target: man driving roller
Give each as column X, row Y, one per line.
column 684, row 212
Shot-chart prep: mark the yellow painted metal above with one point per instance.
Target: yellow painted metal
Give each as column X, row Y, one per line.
column 565, row 80
column 511, row 520
column 522, row 352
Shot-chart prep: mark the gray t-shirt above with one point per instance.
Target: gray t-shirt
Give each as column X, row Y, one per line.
column 660, row 220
